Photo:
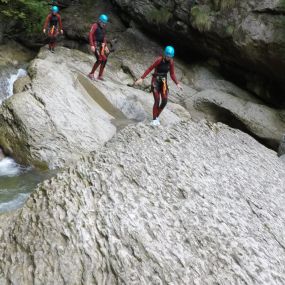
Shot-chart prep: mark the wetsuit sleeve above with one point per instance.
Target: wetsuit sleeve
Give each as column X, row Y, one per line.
column 92, row 38
column 155, row 64
column 47, row 21
column 172, row 72
column 59, row 21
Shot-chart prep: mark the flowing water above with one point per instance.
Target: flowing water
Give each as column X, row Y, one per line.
column 8, row 76
column 16, row 181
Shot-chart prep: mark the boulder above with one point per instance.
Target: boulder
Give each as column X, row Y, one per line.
column 61, row 114
column 262, row 122
column 247, row 37
column 281, row 148
column 192, row 203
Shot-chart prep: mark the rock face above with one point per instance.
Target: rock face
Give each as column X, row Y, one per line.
column 46, row 123
column 281, row 149
column 264, row 123
column 186, row 204
column 61, row 114
column 246, row 36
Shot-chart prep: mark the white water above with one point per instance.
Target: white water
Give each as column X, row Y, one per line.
column 8, row 167
column 15, row 203
column 16, row 181
column 7, row 82
column 21, row 73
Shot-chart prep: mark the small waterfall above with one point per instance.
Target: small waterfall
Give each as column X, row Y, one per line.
column 20, row 73
column 17, row 182
column 8, row 167
column 7, row 79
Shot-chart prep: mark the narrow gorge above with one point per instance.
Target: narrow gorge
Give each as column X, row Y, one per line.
column 91, row 193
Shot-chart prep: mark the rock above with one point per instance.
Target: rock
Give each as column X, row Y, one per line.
column 12, row 53
column 2, row 156
column 282, row 158
column 204, row 77
column 22, row 84
column 281, row 149
column 54, row 122
column 262, row 122
column 194, row 203
column 237, row 33
column 63, row 115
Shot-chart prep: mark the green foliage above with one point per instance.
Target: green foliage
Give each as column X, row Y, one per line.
column 201, row 18
column 230, row 30
column 223, row 4
column 159, row 16
column 29, row 14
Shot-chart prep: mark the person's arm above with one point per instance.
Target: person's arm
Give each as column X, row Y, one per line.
column 59, row 21
column 173, row 76
column 92, row 38
column 172, row 73
column 47, row 22
column 155, row 64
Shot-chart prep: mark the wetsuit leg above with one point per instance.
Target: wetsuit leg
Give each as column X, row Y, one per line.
column 156, row 97
column 102, row 66
column 97, row 63
column 164, row 98
column 52, row 38
column 52, row 42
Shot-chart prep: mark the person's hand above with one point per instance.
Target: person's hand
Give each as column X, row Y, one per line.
column 93, row 48
column 180, row 86
column 107, row 50
column 139, row 81
column 44, row 31
column 61, row 31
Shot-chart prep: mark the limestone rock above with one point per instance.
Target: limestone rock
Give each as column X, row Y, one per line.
column 247, row 37
column 262, row 122
column 186, row 204
column 281, row 149
column 62, row 114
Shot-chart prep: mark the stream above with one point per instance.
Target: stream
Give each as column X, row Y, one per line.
column 16, row 181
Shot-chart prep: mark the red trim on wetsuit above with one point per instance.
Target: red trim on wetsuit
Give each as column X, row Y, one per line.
column 156, row 63
column 92, row 37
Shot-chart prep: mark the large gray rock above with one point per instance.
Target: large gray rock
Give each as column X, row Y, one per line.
column 186, row 204
column 61, row 114
column 264, row 123
column 246, row 36
column 281, row 148
column 53, row 122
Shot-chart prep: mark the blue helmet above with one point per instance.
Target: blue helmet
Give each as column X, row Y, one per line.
column 103, row 18
column 54, row 9
column 169, row 51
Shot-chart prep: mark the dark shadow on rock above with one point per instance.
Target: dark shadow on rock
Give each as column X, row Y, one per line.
column 219, row 114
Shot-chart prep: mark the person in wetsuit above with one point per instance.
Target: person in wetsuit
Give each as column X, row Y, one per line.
column 98, row 45
column 162, row 65
column 54, row 25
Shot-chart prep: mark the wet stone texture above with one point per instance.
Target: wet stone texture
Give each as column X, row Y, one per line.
column 193, row 203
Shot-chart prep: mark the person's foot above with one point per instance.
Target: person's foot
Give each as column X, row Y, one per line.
column 91, row 76
column 52, row 50
column 100, row 78
column 155, row 122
